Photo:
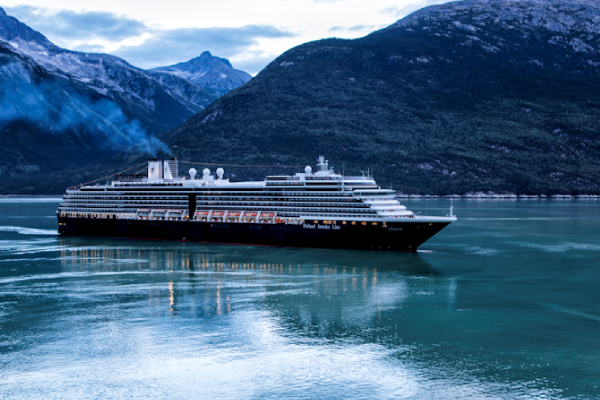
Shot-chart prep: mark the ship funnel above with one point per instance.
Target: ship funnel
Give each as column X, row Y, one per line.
column 155, row 171
column 171, row 168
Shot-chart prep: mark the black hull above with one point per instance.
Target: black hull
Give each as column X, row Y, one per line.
column 403, row 236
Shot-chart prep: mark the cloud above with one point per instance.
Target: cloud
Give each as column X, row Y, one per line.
column 356, row 28
column 89, row 48
column 101, row 32
column 403, row 11
column 172, row 46
column 255, row 64
column 68, row 25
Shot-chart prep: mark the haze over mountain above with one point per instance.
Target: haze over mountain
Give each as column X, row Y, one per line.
column 213, row 74
column 61, row 109
column 158, row 100
column 498, row 95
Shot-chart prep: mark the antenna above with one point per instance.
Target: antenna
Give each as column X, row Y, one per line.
column 451, row 207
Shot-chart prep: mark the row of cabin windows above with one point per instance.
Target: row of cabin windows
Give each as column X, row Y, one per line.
column 231, row 203
column 273, row 199
column 297, row 210
column 245, row 206
column 215, row 193
column 279, row 198
column 228, row 196
column 284, row 204
column 287, row 209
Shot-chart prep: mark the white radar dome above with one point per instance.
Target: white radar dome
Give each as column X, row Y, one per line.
column 220, row 173
column 206, row 172
column 193, row 173
column 308, row 170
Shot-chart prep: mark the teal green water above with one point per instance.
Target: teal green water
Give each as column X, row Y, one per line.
column 504, row 303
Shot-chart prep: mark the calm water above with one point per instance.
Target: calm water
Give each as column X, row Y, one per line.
column 504, row 303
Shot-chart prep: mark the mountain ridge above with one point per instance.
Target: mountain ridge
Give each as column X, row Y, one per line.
column 107, row 74
column 451, row 99
column 213, row 74
column 83, row 106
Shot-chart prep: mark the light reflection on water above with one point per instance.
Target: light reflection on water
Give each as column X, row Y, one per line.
column 493, row 311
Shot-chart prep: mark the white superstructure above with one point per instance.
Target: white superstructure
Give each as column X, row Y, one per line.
column 322, row 195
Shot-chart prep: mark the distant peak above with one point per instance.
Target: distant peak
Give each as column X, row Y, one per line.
column 2, row 13
column 206, row 57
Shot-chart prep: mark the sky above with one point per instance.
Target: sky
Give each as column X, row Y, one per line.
column 153, row 33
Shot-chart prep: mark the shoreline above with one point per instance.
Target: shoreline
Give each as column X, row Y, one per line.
column 509, row 196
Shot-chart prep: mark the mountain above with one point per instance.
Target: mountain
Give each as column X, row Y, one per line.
column 61, row 110
column 48, row 121
column 498, row 95
column 159, row 101
column 213, row 74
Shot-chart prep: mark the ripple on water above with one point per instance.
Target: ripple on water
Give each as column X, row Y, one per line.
column 559, row 247
column 19, row 247
column 256, row 360
column 488, row 313
column 28, row 231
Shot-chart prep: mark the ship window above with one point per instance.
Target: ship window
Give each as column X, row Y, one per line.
column 363, row 223
column 353, row 222
column 374, row 223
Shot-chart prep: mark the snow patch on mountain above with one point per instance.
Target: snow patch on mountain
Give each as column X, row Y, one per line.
column 580, row 18
column 214, row 74
column 108, row 74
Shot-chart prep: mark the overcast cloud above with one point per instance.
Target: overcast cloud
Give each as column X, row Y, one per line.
column 155, row 47
column 68, row 25
column 402, row 10
column 357, row 28
column 168, row 47
column 150, row 33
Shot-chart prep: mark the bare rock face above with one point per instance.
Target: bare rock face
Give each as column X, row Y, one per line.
column 470, row 96
column 571, row 23
column 213, row 74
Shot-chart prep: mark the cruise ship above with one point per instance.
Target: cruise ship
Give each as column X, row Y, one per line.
column 309, row 209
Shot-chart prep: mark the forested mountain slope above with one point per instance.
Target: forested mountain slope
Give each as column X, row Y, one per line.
column 467, row 96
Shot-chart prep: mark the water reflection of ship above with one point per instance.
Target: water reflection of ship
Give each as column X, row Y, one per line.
column 121, row 255
column 368, row 305
column 322, row 282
